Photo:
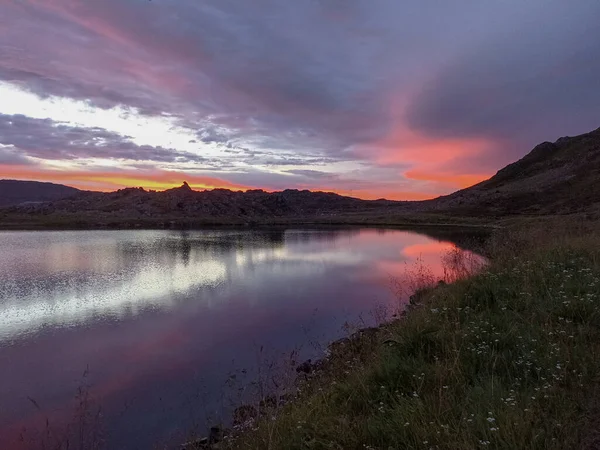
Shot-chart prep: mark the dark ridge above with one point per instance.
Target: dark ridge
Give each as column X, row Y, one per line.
column 14, row 192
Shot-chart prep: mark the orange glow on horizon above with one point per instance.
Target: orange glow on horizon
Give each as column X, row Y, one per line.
column 444, row 164
column 429, row 160
column 459, row 180
column 110, row 181
column 387, row 194
column 159, row 180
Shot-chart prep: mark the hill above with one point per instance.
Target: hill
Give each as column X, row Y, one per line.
column 554, row 178
column 14, row 192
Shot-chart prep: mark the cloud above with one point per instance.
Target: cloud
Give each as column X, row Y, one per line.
column 253, row 69
column 46, row 139
column 313, row 174
column 10, row 157
column 537, row 80
column 429, row 97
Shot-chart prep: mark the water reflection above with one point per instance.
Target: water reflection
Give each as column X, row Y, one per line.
column 159, row 316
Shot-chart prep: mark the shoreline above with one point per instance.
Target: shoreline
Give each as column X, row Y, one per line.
column 137, row 225
column 504, row 359
column 343, row 354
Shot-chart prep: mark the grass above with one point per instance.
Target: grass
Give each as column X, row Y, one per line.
column 15, row 220
column 506, row 359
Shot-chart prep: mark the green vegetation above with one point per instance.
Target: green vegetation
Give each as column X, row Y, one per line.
column 505, row 359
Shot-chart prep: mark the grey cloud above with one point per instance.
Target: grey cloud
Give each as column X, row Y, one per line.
column 10, row 157
column 537, row 81
column 314, row 174
column 209, row 136
column 275, row 158
column 45, row 139
column 257, row 178
column 291, row 161
column 255, row 67
column 277, row 181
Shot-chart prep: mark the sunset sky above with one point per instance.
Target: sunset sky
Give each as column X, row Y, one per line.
column 370, row 98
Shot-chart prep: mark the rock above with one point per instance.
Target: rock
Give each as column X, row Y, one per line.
column 305, row 367
column 216, row 435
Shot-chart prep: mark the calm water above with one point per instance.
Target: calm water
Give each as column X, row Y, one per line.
column 158, row 320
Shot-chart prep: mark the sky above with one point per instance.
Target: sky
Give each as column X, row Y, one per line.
column 371, row 98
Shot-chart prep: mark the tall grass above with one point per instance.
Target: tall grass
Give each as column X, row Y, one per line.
column 506, row 359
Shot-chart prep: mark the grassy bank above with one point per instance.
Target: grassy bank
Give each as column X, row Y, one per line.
column 16, row 220
column 506, row 359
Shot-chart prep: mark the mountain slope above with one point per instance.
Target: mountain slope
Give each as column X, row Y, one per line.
column 554, row 178
column 14, row 192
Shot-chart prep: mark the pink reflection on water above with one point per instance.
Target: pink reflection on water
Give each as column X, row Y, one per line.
column 222, row 296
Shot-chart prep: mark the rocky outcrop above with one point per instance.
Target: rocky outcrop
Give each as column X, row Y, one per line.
column 184, row 204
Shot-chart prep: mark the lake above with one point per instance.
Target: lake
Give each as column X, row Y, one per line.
column 136, row 334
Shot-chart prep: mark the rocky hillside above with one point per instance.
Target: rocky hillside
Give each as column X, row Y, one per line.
column 185, row 206
column 554, row 178
column 14, row 192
